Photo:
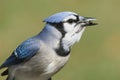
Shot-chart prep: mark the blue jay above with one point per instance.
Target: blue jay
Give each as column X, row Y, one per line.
column 43, row 55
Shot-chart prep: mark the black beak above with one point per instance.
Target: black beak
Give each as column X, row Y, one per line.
column 88, row 21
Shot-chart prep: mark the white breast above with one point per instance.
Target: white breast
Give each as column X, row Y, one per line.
column 57, row 64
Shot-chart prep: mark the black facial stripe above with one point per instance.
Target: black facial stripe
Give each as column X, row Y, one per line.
column 77, row 18
column 59, row 27
column 60, row 50
column 72, row 20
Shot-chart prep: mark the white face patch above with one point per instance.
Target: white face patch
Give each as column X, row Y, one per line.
column 71, row 38
column 73, row 30
column 68, row 27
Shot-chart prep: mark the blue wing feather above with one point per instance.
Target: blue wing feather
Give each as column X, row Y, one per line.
column 27, row 49
column 23, row 52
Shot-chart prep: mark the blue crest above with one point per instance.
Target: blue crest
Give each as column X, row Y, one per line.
column 58, row 17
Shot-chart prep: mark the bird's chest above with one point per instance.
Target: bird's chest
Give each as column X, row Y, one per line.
column 43, row 65
column 56, row 64
column 47, row 61
column 53, row 63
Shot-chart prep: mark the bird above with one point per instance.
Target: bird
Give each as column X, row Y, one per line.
column 40, row 57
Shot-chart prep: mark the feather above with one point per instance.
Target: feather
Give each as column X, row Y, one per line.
column 58, row 17
column 23, row 52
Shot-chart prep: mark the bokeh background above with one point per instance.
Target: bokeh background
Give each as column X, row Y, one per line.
column 95, row 57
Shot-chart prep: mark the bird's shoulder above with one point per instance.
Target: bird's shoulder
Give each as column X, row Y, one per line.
column 23, row 52
column 28, row 48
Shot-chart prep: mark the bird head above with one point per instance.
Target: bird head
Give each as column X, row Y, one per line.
column 70, row 24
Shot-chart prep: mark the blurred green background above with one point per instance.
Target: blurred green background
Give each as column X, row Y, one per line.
column 95, row 57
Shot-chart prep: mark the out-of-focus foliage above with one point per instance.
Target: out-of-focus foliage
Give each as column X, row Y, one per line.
column 95, row 57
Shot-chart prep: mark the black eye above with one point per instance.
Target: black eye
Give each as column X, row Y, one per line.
column 71, row 21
